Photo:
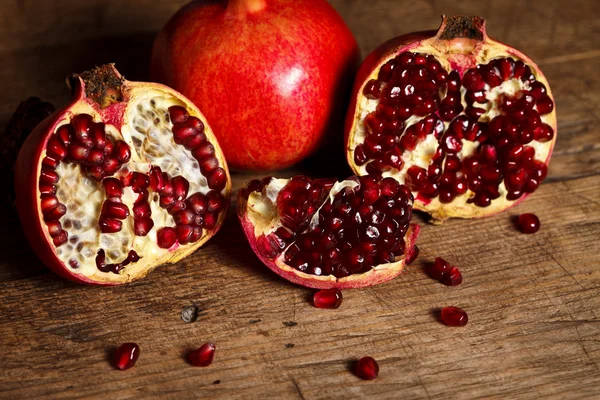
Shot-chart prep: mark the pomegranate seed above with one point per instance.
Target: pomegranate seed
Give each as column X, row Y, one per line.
column 141, row 210
column 126, row 356
column 528, row 223
column 195, row 141
column 454, row 316
column 122, row 152
column 166, row 237
column 328, row 298
column 367, row 368
column 141, row 227
column 116, row 210
column 98, row 136
column 182, row 133
column 110, row 166
column 204, row 150
column 112, row 187
column 81, row 124
column 438, row 269
column 217, row 179
column 545, row 105
column 54, row 228
column 473, row 81
column 372, row 89
column 543, row 133
column 108, row 225
column 96, row 157
column 178, row 114
column 56, row 149
column 56, row 213
column 215, row 202
column 48, row 203
column 197, row 203
column 78, row 152
column 180, row 187
column 65, row 133
column 47, row 189
column 452, row 278
column 203, row 356
column 60, row 239
column 184, row 232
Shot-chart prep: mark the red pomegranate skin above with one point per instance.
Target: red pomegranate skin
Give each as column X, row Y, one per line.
column 273, row 77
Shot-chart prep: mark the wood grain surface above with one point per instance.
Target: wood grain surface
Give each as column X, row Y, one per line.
column 533, row 300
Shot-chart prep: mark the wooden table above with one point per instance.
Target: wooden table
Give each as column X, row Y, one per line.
column 533, row 300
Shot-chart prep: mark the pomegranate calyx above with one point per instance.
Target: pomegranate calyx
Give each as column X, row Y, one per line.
column 102, row 84
column 460, row 26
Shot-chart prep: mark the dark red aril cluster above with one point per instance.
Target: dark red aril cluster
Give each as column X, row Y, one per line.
column 203, row 356
column 442, row 271
column 361, row 228
column 367, row 368
column 528, row 223
column 415, row 85
column 82, row 142
column 188, row 131
column 454, row 316
column 328, row 298
column 126, row 356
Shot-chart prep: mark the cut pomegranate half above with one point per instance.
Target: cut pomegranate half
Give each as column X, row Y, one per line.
column 324, row 234
column 467, row 123
column 126, row 177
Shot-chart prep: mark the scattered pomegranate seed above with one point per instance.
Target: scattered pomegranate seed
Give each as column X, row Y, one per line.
column 127, row 355
column 438, row 269
column 367, row 368
column 328, row 298
column 452, row 278
column 203, row 356
column 528, row 223
column 454, row 316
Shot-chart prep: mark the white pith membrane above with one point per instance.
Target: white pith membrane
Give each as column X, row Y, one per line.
column 262, row 213
column 422, row 155
column 147, row 130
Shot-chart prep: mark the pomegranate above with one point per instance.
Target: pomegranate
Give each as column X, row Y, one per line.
column 126, row 177
column 467, row 123
column 326, row 234
column 127, row 355
column 272, row 76
column 367, row 368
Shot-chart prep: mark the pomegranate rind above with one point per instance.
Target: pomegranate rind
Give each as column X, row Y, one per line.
column 379, row 274
column 29, row 165
column 429, row 42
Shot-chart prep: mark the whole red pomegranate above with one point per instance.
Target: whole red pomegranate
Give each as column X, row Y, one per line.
column 326, row 234
column 467, row 123
column 126, row 177
column 273, row 77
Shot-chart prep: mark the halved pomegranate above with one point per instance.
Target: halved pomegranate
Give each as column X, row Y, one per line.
column 467, row 123
column 126, row 177
column 324, row 234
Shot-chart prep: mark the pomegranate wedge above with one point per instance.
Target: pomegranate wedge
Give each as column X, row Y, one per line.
column 326, row 234
column 126, row 177
column 467, row 123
